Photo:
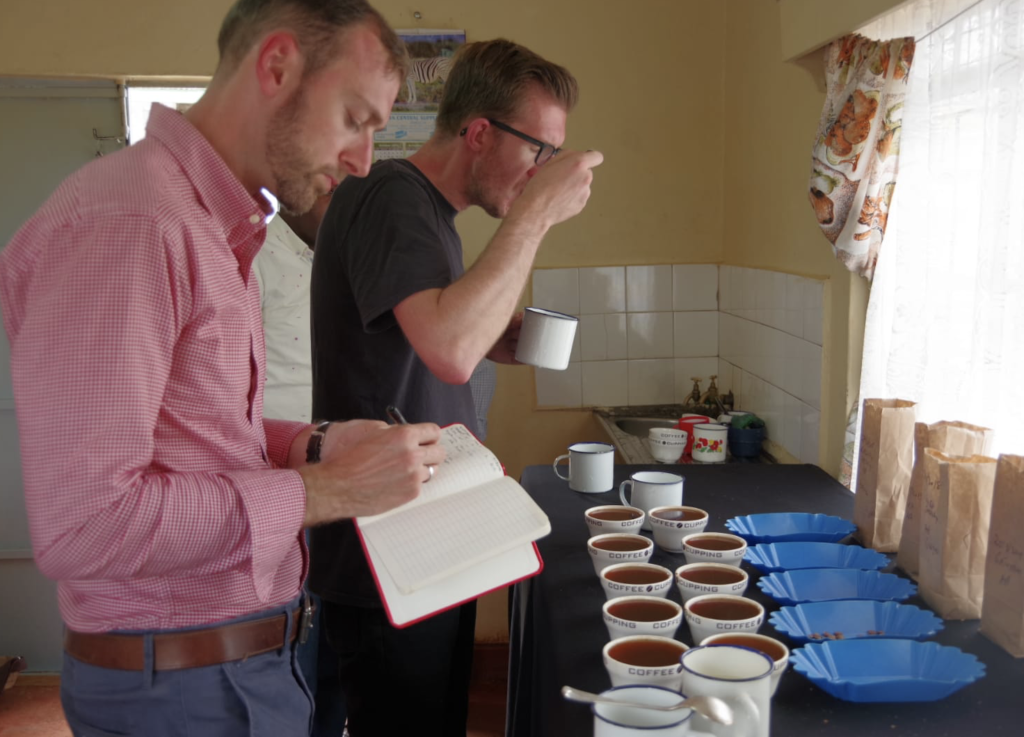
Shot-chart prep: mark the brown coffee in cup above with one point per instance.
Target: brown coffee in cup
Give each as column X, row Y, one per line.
column 712, row 576
column 774, row 650
column 684, row 515
column 620, row 544
column 653, row 653
column 714, row 543
column 648, row 610
column 616, row 515
column 636, row 575
column 732, row 608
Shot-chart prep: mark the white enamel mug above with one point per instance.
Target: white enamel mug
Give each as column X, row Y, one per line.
column 545, row 339
column 591, row 467
column 739, row 676
column 652, row 489
column 709, row 441
column 611, row 720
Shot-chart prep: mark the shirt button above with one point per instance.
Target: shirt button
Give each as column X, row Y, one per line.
column 255, row 218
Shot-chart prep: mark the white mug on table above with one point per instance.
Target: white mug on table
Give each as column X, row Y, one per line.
column 652, row 489
column 591, row 467
column 739, row 676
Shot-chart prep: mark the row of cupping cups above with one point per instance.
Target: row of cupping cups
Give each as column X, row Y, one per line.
column 642, row 622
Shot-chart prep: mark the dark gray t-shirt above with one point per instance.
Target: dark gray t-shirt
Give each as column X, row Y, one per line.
column 383, row 239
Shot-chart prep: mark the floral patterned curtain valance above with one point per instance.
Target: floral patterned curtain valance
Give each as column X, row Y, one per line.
column 856, row 151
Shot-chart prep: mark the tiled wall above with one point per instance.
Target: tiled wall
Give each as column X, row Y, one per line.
column 644, row 331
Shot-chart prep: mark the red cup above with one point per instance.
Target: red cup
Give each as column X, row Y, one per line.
column 687, row 422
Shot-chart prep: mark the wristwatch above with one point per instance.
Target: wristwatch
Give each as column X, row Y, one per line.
column 316, row 441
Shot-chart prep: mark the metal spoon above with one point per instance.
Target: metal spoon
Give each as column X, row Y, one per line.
column 707, row 706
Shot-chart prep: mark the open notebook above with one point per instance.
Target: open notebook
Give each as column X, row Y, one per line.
column 469, row 532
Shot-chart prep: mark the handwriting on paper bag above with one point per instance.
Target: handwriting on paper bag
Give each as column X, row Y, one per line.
column 1009, row 558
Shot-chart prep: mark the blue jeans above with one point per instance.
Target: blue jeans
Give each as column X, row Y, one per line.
column 262, row 696
column 319, row 665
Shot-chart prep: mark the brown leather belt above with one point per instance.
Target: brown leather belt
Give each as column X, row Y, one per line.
column 177, row 650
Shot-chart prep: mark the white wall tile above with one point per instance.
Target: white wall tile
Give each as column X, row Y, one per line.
column 602, row 290
column 577, row 338
column 809, row 435
column 763, row 289
column 725, row 288
column 810, row 365
column 559, row 388
column 651, row 381
column 794, row 292
column 772, row 411
column 557, row 289
column 792, row 425
column 605, row 383
column 648, row 288
column 813, row 311
column 686, row 368
column 617, row 336
column 724, row 376
column 650, row 334
column 777, row 290
column 694, row 287
column 696, row 334
column 593, row 338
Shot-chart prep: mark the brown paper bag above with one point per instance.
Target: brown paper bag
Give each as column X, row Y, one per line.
column 1002, row 614
column 884, row 465
column 951, row 438
column 954, row 532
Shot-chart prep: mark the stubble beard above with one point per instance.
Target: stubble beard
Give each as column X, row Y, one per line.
column 290, row 168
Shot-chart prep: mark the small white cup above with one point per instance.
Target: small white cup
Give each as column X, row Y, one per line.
column 611, row 720
column 666, row 448
column 652, row 489
column 739, row 676
column 635, row 579
column 714, row 547
column 607, row 550
column 641, row 615
column 671, row 524
column 701, row 579
column 645, row 659
column 709, row 442
column 771, row 647
column 610, row 518
column 717, row 613
column 545, row 339
column 591, row 467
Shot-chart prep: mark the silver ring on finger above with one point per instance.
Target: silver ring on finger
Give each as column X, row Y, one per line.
column 431, row 476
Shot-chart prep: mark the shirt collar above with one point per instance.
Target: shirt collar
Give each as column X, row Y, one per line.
column 241, row 216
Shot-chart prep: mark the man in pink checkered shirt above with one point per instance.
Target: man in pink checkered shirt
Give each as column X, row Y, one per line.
column 168, row 510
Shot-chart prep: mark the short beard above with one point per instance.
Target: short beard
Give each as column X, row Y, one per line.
column 289, row 168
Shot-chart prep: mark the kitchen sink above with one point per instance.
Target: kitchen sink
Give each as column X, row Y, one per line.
column 640, row 425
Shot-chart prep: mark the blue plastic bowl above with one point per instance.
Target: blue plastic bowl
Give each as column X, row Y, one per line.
column 887, row 670
column 770, row 557
column 830, row 584
column 790, row 527
column 851, row 620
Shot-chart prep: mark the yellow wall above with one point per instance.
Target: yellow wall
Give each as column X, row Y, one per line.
column 706, row 133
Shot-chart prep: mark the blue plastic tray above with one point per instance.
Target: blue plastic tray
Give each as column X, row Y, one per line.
column 850, row 620
column 770, row 557
column 830, row 584
column 790, row 527
column 887, row 670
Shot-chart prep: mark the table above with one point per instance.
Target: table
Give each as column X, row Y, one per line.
column 556, row 630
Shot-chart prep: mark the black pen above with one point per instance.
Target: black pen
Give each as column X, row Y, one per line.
column 396, row 415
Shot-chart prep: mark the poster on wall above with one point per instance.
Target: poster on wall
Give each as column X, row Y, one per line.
column 415, row 110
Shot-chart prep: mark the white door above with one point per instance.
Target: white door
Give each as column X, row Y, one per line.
column 46, row 132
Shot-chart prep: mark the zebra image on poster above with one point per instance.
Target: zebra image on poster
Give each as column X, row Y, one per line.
column 415, row 111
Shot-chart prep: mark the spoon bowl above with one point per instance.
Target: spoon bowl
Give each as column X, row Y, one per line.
column 708, row 707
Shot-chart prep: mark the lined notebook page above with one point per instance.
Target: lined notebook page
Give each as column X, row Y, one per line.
column 455, row 532
column 467, row 463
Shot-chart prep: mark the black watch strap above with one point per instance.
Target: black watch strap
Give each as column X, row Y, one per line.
column 316, row 441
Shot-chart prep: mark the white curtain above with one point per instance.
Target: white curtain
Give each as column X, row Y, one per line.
column 945, row 323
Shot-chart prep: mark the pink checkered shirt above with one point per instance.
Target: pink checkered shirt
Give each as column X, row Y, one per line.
column 151, row 480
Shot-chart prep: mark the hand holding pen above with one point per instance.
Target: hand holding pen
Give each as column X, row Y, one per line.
column 399, row 419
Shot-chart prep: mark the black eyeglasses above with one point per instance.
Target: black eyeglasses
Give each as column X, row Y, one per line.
column 546, row 149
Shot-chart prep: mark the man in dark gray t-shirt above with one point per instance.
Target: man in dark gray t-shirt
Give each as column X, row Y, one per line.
column 397, row 320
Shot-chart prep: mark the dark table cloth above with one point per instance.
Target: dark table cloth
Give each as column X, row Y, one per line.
column 556, row 629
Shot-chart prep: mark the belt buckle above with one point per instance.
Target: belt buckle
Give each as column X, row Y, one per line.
column 306, row 619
